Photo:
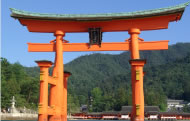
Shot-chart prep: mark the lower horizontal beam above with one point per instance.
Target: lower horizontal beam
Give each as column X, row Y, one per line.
column 52, row 80
column 114, row 46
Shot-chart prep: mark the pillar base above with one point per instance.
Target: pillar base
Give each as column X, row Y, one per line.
column 55, row 118
column 64, row 117
column 138, row 119
column 42, row 117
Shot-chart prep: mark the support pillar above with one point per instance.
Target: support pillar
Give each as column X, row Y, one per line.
column 134, row 43
column 66, row 76
column 43, row 98
column 137, row 86
column 138, row 91
column 56, row 92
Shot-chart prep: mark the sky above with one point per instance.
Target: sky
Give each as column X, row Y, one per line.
column 14, row 36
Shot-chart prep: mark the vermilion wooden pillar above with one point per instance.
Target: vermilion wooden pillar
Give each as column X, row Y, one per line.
column 134, row 43
column 137, row 88
column 57, row 91
column 43, row 98
column 66, row 76
column 137, row 113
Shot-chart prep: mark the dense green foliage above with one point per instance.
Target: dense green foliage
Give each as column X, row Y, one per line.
column 166, row 72
column 16, row 82
column 103, row 81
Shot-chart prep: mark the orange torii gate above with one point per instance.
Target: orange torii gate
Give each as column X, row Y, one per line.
column 55, row 108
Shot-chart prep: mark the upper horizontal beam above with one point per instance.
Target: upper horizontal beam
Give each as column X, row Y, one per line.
column 47, row 26
column 114, row 46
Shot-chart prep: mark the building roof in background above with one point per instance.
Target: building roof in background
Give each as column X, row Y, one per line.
column 170, row 100
column 147, row 109
column 174, row 113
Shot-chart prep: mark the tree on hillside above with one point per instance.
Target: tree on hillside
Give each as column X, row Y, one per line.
column 97, row 103
column 121, row 98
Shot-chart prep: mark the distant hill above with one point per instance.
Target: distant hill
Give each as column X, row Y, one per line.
column 92, row 69
column 104, row 80
column 111, row 72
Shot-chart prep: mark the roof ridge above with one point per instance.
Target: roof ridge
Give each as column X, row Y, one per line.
column 17, row 11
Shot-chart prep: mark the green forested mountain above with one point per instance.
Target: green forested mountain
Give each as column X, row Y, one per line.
column 111, row 73
column 104, row 81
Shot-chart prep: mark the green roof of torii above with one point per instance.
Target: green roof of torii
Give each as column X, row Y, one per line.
column 109, row 16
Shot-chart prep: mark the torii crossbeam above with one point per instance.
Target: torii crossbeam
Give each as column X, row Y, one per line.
column 114, row 46
column 55, row 108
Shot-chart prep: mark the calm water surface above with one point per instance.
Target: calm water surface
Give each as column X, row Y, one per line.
column 99, row 120
column 88, row 120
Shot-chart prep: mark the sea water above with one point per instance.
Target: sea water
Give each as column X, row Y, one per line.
column 96, row 120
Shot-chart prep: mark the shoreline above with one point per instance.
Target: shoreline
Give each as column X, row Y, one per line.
column 18, row 116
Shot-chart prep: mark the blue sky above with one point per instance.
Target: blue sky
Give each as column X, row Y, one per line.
column 14, row 36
